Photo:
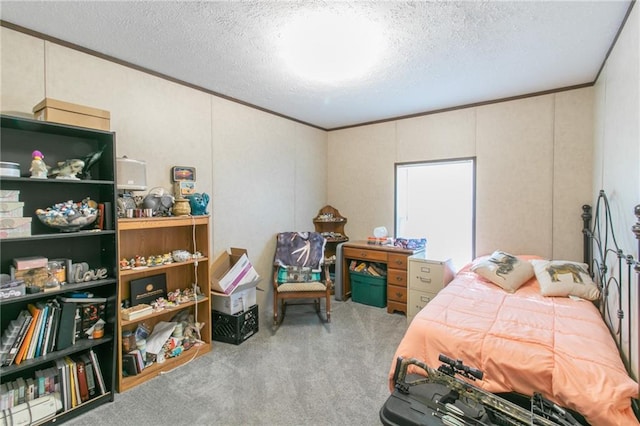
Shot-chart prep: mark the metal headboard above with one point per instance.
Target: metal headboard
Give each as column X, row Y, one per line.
column 613, row 271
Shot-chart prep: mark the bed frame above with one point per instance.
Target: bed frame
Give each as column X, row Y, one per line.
column 613, row 271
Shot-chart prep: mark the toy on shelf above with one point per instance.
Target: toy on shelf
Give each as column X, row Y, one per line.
column 39, row 169
column 68, row 169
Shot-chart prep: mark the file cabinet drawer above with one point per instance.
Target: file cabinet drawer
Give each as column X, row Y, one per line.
column 427, row 276
column 417, row 301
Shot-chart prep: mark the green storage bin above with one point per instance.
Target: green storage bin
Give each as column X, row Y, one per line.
column 368, row 289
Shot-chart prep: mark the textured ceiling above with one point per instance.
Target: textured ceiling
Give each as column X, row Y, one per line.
column 437, row 54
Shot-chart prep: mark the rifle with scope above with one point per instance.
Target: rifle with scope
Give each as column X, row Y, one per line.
column 498, row 410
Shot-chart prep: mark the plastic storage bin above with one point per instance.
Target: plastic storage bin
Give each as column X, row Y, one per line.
column 368, row 289
column 234, row 328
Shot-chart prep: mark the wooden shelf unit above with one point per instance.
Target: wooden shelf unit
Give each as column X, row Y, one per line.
column 155, row 236
column 329, row 221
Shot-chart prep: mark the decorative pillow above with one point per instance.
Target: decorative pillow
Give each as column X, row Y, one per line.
column 504, row 270
column 562, row 278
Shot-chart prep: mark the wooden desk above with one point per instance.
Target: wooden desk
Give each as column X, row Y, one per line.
column 396, row 260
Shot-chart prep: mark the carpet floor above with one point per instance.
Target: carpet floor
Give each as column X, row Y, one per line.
column 305, row 372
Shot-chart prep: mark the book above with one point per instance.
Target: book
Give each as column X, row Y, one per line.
column 98, row 372
column 66, row 330
column 41, row 332
column 35, row 313
column 90, row 313
column 90, row 375
column 39, row 383
column 24, row 318
column 73, row 381
column 11, row 395
column 82, row 380
column 61, row 365
column 47, row 330
column 22, row 389
column 139, row 360
column 27, row 338
column 30, row 389
column 9, row 337
column 4, row 397
column 129, row 364
column 55, row 323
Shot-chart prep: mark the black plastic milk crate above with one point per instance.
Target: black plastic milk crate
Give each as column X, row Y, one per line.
column 234, row 328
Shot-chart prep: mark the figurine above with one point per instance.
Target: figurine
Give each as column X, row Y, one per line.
column 90, row 161
column 198, row 203
column 39, row 169
column 68, row 169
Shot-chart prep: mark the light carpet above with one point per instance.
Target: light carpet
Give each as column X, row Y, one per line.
column 305, row 372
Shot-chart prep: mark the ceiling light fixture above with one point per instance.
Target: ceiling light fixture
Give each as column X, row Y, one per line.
column 329, row 47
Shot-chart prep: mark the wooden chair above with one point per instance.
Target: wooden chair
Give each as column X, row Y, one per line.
column 299, row 272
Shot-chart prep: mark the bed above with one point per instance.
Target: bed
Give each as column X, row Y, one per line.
column 566, row 348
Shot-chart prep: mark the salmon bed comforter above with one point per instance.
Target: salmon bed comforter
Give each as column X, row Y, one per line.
column 525, row 342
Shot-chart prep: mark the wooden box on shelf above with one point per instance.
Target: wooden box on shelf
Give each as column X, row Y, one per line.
column 145, row 237
column 61, row 355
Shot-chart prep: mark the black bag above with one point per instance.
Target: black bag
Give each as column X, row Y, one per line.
column 419, row 407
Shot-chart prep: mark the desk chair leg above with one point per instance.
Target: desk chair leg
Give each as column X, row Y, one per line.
column 328, row 307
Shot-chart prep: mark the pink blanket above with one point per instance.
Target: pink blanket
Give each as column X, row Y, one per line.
column 525, row 343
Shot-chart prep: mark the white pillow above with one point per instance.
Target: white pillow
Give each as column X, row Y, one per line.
column 504, row 270
column 562, row 278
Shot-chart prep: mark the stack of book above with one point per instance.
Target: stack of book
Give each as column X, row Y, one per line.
column 49, row 326
column 77, row 379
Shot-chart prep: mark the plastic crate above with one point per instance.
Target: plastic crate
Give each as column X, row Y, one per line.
column 234, row 328
column 368, row 289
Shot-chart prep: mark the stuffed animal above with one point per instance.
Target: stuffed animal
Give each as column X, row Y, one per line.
column 198, row 203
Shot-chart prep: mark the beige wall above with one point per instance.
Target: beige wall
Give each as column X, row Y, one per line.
column 617, row 146
column 533, row 169
column 264, row 173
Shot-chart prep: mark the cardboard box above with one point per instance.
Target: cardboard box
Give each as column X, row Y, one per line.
column 76, row 115
column 241, row 299
column 230, row 270
column 15, row 227
column 30, row 262
column 11, row 209
column 9, row 195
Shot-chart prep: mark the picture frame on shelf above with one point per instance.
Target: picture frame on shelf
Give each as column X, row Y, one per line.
column 183, row 173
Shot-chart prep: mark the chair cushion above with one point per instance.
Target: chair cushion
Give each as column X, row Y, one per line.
column 310, row 286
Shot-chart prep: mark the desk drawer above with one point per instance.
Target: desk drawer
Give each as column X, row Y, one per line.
column 396, row 293
column 397, row 261
column 395, row 277
column 357, row 253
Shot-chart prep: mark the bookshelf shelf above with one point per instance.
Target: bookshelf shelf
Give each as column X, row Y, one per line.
column 96, row 247
column 156, row 369
column 126, row 272
column 164, row 312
